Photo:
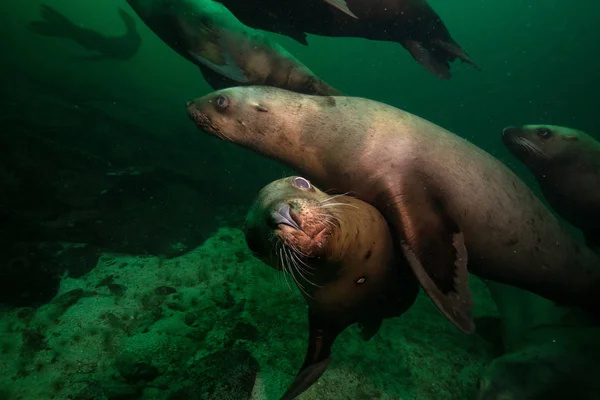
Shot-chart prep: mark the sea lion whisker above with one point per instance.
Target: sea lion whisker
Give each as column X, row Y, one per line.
column 297, row 266
column 300, row 286
column 283, row 266
column 305, row 278
column 333, row 197
column 531, row 148
column 299, row 256
column 295, row 248
column 294, row 258
column 338, row 204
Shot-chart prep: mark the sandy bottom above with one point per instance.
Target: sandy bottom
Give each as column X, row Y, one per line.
column 215, row 323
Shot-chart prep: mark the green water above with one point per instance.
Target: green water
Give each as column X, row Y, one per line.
column 156, row 295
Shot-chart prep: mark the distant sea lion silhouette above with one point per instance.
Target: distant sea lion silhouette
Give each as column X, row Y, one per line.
column 227, row 52
column 121, row 47
column 339, row 252
column 566, row 164
column 551, row 352
column 450, row 205
column 412, row 23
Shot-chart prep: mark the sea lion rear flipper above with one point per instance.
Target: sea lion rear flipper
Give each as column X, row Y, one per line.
column 342, row 6
column 434, row 247
column 321, row 336
column 456, row 51
column 423, row 56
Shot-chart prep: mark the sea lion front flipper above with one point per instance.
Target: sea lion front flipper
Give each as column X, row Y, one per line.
column 434, row 247
column 207, row 47
column 342, row 6
column 322, row 334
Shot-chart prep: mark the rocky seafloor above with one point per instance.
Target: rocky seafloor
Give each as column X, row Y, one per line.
column 215, row 323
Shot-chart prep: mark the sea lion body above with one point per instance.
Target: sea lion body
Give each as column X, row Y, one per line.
column 227, row 52
column 449, row 203
column 412, row 23
column 551, row 352
column 566, row 164
column 340, row 253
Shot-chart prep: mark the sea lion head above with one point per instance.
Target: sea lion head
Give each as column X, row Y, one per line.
column 538, row 145
column 290, row 222
column 261, row 118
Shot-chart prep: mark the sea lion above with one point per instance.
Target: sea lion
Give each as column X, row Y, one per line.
column 445, row 199
column 121, row 47
column 412, row 23
column 566, row 164
column 227, row 52
column 551, row 352
column 340, row 253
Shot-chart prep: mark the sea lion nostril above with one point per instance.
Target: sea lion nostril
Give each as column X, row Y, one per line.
column 189, row 103
column 282, row 216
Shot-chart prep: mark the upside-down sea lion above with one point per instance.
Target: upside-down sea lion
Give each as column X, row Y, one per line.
column 227, row 52
column 551, row 352
column 444, row 198
column 412, row 23
column 566, row 164
column 340, row 253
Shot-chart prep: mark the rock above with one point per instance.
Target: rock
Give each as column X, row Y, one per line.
column 133, row 370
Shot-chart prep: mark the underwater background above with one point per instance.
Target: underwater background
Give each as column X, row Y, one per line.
column 123, row 270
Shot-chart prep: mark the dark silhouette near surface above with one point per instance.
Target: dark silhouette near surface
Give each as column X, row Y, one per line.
column 121, row 47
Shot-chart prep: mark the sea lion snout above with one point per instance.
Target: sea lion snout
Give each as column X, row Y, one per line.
column 282, row 216
column 509, row 131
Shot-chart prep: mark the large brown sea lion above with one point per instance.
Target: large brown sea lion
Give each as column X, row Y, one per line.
column 227, row 52
column 340, row 253
column 551, row 352
column 444, row 198
column 566, row 164
column 412, row 23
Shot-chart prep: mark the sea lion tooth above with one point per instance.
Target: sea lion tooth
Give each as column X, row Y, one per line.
column 344, row 278
column 453, row 208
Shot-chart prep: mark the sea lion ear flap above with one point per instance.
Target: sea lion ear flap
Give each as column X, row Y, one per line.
column 570, row 138
column 435, row 248
column 318, row 355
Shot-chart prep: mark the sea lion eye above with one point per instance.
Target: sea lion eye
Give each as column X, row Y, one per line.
column 302, row 183
column 544, row 133
column 222, row 102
